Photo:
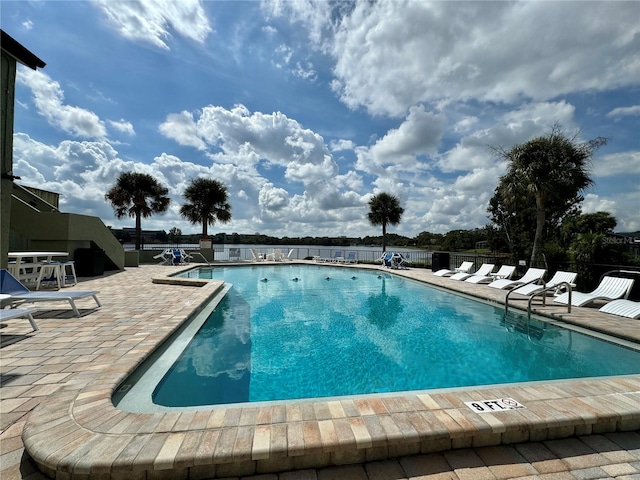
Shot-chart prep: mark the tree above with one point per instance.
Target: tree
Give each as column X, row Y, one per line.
column 175, row 234
column 552, row 168
column 385, row 210
column 207, row 202
column 137, row 195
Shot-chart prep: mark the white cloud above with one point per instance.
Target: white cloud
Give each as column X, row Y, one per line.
column 122, row 126
column 48, row 98
column 623, row 207
column 341, row 145
column 419, row 134
column 621, row 163
column 624, row 111
column 489, row 51
column 150, row 20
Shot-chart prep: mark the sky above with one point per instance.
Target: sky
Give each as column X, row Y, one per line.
column 304, row 110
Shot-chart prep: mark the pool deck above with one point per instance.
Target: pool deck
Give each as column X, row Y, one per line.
column 56, row 410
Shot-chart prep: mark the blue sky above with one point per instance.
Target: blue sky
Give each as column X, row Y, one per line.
column 304, row 110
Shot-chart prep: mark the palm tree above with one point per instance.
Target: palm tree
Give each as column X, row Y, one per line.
column 207, row 203
column 385, row 210
column 549, row 167
column 137, row 195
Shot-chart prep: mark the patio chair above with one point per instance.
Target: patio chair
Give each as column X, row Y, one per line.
column 610, row 288
column 386, row 259
column 351, row 258
column 398, row 261
column 504, row 272
column 532, row 275
column 288, row 257
column 255, row 256
column 186, row 258
column 12, row 313
column 557, row 281
column 484, row 270
column 465, row 267
column 623, row 308
column 9, row 285
column 234, row 254
column 337, row 256
column 165, row 257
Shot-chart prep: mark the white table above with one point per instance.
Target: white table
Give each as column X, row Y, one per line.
column 26, row 266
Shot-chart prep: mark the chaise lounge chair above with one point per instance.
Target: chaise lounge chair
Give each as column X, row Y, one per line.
column 484, row 270
column 11, row 313
column 9, row 285
column 610, row 288
column 337, row 257
column 533, row 275
column 557, row 280
column 623, row 308
column 255, row 256
column 505, row 271
column 350, row 258
column 464, row 267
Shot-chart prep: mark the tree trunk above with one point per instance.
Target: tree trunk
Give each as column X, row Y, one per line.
column 540, row 219
column 204, row 227
column 138, row 230
column 384, row 238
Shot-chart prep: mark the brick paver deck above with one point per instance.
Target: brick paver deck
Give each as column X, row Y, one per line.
column 56, row 401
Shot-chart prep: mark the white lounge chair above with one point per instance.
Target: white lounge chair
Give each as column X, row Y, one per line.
column 622, row 308
column 11, row 313
column 337, row 257
column 504, row 272
column 610, row 288
column 234, row 254
column 288, row 257
column 465, row 267
column 276, row 256
column 256, row 257
column 9, row 285
column 398, row 261
column 484, row 270
column 165, row 257
column 533, row 275
column 557, row 280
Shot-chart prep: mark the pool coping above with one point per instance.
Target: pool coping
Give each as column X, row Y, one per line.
column 78, row 432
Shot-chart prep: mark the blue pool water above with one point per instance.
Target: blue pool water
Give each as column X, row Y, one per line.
column 337, row 331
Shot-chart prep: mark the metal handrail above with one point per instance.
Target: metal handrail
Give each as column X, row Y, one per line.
column 506, row 300
column 543, row 291
column 203, row 257
column 635, row 272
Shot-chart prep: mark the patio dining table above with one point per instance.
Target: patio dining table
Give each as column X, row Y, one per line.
column 31, row 266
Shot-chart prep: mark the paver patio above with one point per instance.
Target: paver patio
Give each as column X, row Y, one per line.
column 57, row 384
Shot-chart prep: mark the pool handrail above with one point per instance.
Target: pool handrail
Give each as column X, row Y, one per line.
column 542, row 292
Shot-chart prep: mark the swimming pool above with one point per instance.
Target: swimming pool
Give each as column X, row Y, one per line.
column 304, row 331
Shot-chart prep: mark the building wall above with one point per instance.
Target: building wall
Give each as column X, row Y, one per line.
column 6, row 151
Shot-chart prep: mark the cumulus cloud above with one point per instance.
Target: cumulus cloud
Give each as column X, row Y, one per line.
column 273, row 138
column 48, row 97
column 151, row 21
column 377, row 44
column 419, row 134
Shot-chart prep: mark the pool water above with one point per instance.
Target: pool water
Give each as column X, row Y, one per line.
column 304, row 331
